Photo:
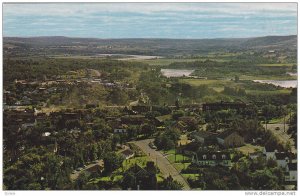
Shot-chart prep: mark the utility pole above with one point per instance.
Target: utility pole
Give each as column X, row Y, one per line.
column 175, row 152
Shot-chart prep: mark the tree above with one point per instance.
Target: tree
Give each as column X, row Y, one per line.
column 177, row 114
column 129, row 181
column 112, row 161
column 265, row 180
column 118, row 96
column 148, row 129
column 170, row 184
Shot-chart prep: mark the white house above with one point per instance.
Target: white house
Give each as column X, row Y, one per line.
column 291, row 172
column 127, row 154
column 212, row 159
column 282, row 159
column 269, row 152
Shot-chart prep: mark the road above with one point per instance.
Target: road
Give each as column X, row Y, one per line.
column 282, row 135
column 163, row 163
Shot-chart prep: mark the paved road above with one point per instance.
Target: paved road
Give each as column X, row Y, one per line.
column 163, row 163
column 282, row 135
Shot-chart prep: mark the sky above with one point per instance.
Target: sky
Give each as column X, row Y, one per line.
column 150, row 20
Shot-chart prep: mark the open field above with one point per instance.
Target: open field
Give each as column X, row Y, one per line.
column 212, row 83
column 277, row 64
column 262, row 92
column 167, row 61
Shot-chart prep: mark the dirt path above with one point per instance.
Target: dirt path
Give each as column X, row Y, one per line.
column 162, row 162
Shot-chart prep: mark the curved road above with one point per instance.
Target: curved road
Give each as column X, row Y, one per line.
column 162, row 162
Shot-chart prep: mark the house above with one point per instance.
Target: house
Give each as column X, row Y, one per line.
column 188, row 119
column 144, row 178
column 127, row 154
column 121, row 129
column 203, row 137
column 282, row 159
column 255, row 155
column 291, row 173
column 230, row 139
column 212, row 159
column 180, row 125
column 141, row 108
column 269, row 152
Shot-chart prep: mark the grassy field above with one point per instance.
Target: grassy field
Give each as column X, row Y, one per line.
column 267, row 77
column 168, row 61
column 181, row 166
column 141, row 161
column 211, row 83
column 275, row 92
column 277, row 64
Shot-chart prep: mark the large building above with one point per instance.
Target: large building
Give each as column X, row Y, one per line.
column 230, row 139
column 212, row 159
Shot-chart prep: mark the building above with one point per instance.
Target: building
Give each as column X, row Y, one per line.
column 203, row 137
column 291, row 173
column 269, row 152
column 230, row 139
column 141, row 108
column 282, row 159
column 127, row 154
column 121, row 129
column 144, row 178
column 212, row 159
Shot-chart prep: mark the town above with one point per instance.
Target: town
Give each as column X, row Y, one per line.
column 140, row 145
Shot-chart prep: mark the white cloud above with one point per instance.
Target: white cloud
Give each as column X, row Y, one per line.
column 81, row 9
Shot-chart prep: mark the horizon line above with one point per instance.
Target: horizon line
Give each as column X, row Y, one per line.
column 44, row 36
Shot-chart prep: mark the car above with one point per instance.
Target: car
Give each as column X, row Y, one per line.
column 277, row 128
column 78, row 169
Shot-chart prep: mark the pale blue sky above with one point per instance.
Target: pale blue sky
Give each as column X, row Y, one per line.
column 150, row 20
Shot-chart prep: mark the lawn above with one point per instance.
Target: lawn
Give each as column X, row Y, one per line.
column 159, row 178
column 179, row 158
column 106, row 179
column 192, row 176
column 170, row 155
column 249, row 148
column 181, row 166
column 141, row 161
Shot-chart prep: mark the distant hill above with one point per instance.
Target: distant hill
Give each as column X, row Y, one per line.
column 60, row 44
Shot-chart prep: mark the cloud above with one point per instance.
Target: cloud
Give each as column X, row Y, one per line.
column 71, row 9
column 174, row 20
